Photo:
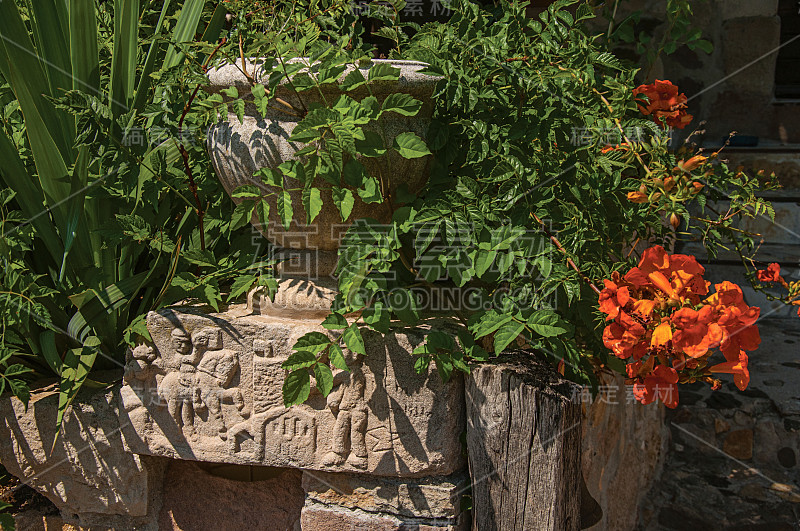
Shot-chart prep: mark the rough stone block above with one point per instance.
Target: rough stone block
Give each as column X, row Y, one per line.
column 194, row 499
column 745, row 63
column 438, row 497
column 748, row 8
column 320, row 517
column 209, row 389
column 88, row 470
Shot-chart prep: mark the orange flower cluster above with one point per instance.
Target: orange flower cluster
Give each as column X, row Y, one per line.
column 666, row 325
column 664, row 103
column 772, row 274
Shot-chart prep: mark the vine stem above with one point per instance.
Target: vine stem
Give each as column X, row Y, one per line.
column 185, row 154
column 564, row 252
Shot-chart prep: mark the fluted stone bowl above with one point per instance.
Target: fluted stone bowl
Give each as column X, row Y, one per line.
column 239, row 149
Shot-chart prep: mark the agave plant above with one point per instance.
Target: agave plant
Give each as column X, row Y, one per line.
column 95, row 231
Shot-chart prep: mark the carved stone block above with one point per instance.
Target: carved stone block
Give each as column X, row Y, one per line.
column 82, row 470
column 433, row 498
column 212, row 392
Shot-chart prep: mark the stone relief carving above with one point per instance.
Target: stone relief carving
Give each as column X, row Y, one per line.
column 346, row 402
column 215, row 393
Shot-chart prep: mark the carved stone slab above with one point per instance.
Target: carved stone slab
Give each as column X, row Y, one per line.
column 209, row 389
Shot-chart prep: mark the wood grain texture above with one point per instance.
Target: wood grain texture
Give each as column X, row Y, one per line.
column 524, row 443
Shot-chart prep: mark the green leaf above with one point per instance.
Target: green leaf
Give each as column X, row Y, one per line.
column 335, row 321
column 344, row 200
column 377, row 316
column 260, row 98
column 296, row 387
column 313, row 342
column 489, row 322
column 371, row 193
column 241, row 285
column 242, row 214
column 77, row 364
column 285, row 210
column 403, row 104
column 353, row 80
column 483, row 261
column 404, row 305
column 324, row 378
column 506, row 334
column 299, row 360
column 185, row 29
column 410, row 146
column 371, row 145
column 201, row 257
column 312, row 202
column 383, row 72
column 337, row 357
column 547, row 324
column 353, row 340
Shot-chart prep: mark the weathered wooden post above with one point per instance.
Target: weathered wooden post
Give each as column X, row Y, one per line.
column 524, row 444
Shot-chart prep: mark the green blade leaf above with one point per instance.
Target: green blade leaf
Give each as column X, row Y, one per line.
column 124, row 56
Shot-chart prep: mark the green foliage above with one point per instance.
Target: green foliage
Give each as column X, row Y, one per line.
column 676, row 31
column 100, row 220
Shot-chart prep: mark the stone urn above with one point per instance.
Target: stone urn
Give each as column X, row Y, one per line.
column 239, row 148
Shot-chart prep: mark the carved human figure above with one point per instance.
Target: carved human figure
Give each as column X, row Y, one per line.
column 178, row 388
column 215, row 371
column 347, row 403
column 141, row 365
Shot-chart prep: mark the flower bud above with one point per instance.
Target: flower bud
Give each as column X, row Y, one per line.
column 698, row 186
column 669, row 183
column 694, row 162
column 637, row 197
column 674, row 220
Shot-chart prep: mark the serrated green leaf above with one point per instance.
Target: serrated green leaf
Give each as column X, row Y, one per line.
column 312, row 202
column 547, row 324
column 344, row 200
column 324, row 378
column 506, row 334
column 403, row 104
column 336, row 356
column 299, row 360
column 285, row 210
column 352, row 338
column 313, row 342
column 296, row 387
column 410, row 146
column 335, row 321
column 241, row 285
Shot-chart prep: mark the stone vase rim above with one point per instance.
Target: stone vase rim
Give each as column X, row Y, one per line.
column 230, row 73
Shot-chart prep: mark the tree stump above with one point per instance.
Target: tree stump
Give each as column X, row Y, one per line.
column 524, row 445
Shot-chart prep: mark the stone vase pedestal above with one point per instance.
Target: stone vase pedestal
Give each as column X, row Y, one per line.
column 309, row 252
